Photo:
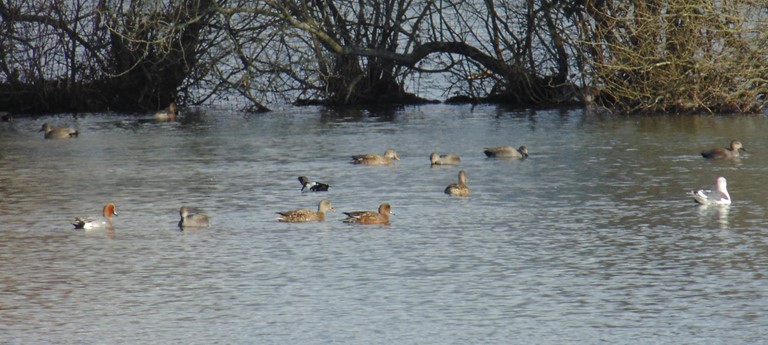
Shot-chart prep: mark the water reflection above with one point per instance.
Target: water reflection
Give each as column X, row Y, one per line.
column 359, row 114
column 715, row 214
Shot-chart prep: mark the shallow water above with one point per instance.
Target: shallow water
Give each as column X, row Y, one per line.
column 591, row 240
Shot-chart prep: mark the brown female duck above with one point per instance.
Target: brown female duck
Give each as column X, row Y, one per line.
column 447, row 159
column 506, row 152
column 192, row 220
column 58, row 132
column 369, row 217
column 730, row 152
column 304, row 215
column 460, row 188
column 374, row 159
column 167, row 114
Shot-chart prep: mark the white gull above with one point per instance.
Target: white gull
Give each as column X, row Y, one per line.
column 718, row 196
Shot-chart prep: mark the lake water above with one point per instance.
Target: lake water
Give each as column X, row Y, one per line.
column 591, row 240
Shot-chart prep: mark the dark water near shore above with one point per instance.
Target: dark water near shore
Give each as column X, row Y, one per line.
column 591, row 240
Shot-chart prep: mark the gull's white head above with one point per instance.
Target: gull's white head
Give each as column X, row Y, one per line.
column 721, row 184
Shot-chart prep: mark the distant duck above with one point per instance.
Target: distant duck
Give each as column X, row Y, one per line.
column 369, row 217
column 447, row 159
column 374, row 159
column 506, row 152
column 167, row 114
column 731, row 152
column 105, row 221
column 58, row 132
column 307, row 186
column 717, row 196
column 304, row 215
column 192, row 220
column 460, row 188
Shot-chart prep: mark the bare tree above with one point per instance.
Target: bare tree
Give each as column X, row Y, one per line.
column 86, row 55
column 661, row 55
column 677, row 56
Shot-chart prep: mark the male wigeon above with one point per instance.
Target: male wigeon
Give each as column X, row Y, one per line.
column 447, row 159
column 104, row 222
column 58, row 132
column 167, row 114
column 304, row 215
column 374, row 159
column 717, row 196
column 307, row 186
column 732, row 151
column 506, row 152
column 370, row 217
column 460, row 188
column 192, row 220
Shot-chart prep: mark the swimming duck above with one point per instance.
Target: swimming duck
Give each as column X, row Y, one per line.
column 306, row 185
column 732, row 151
column 460, row 188
column 304, row 215
column 167, row 114
column 374, row 159
column 108, row 211
column 506, row 152
column 718, row 196
column 370, row 217
column 58, row 132
column 192, row 220
column 447, row 159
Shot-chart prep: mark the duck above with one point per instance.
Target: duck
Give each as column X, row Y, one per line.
column 108, row 211
column 370, row 217
column 192, row 220
column 167, row 114
column 460, row 188
column 304, row 215
column 447, row 159
column 307, row 186
column 717, row 196
column 506, row 152
column 374, row 159
column 58, row 132
column 730, row 152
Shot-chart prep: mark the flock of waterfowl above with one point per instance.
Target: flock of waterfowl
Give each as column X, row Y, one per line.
column 718, row 195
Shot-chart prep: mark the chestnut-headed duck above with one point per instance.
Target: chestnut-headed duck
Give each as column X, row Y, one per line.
column 370, row 217
column 104, row 222
column 732, row 151
column 717, row 196
column 447, row 159
column 304, row 215
column 192, row 220
column 374, row 159
column 460, row 188
column 506, row 152
column 167, row 114
column 307, row 186
column 58, row 132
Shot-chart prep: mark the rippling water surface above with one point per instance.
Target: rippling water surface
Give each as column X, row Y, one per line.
column 591, row 240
